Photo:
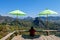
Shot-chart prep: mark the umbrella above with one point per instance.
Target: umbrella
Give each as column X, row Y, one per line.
column 47, row 12
column 17, row 13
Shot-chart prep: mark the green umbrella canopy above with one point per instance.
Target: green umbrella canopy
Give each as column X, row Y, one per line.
column 18, row 13
column 47, row 12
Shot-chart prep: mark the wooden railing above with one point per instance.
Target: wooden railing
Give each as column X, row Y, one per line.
column 7, row 36
column 15, row 32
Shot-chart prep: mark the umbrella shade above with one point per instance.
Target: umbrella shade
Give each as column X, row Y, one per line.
column 47, row 12
column 17, row 12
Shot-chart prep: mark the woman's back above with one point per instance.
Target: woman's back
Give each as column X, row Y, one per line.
column 32, row 31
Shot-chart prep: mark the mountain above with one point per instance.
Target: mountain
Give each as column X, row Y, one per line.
column 51, row 18
column 5, row 19
column 28, row 18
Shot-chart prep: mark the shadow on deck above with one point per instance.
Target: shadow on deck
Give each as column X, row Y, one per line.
column 29, row 37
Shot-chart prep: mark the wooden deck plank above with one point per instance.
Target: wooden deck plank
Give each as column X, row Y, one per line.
column 40, row 38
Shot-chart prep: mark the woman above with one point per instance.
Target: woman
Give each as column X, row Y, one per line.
column 32, row 31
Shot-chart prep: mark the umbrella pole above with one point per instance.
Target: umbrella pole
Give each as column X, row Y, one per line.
column 47, row 26
column 17, row 24
column 17, row 20
column 17, row 17
column 47, row 21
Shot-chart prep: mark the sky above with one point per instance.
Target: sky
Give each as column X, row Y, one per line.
column 30, row 7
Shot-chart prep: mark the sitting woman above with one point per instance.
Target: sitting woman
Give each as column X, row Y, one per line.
column 32, row 31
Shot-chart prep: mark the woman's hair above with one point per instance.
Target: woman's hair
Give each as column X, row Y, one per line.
column 31, row 27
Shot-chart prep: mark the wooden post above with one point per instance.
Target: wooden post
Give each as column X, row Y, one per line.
column 47, row 32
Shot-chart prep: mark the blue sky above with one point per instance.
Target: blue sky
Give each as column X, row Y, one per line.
column 30, row 7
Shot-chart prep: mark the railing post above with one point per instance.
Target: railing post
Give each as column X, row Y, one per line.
column 48, row 33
